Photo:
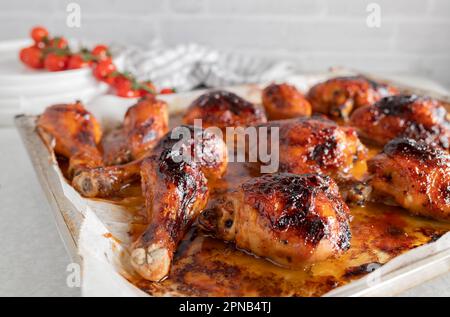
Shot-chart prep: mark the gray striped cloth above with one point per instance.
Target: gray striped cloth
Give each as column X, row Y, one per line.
column 185, row 67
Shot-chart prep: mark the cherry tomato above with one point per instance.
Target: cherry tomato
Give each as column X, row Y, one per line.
column 101, row 52
column 124, row 88
column 147, row 88
column 121, row 80
column 39, row 34
column 77, row 61
column 32, row 56
column 128, row 92
column 41, row 45
column 59, row 42
column 166, row 91
column 54, row 62
column 104, row 69
column 110, row 79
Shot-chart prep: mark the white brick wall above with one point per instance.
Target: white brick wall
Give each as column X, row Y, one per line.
column 414, row 37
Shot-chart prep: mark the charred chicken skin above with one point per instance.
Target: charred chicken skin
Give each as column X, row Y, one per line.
column 284, row 101
column 289, row 219
column 144, row 125
column 339, row 96
column 223, row 109
column 415, row 175
column 414, row 117
column 176, row 192
column 316, row 145
column 75, row 133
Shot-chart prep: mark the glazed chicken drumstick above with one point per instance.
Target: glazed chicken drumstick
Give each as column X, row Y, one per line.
column 144, row 124
column 223, row 109
column 339, row 96
column 316, row 145
column 319, row 145
column 419, row 118
column 415, row 175
column 289, row 219
column 176, row 192
column 284, row 101
column 75, row 135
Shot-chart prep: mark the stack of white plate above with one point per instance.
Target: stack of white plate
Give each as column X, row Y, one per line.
column 24, row 90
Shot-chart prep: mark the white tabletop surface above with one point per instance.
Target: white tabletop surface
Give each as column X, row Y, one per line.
column 33, row 260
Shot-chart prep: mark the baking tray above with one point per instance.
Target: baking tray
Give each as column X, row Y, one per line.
column 425, row 264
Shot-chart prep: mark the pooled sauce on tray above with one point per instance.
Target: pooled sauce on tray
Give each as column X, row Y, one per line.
column 204, row 266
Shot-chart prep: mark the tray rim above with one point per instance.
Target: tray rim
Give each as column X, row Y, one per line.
column 68, row 220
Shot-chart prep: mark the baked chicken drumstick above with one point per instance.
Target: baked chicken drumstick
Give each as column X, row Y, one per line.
column 223, row 109
column 284, row 101
column 176, row 192
column 419, row 118
column 339, row 96
column 76, row 134
column 289, row 219
column 316, row 145
column 144, row 125
column 319, row 145
column 415, row 175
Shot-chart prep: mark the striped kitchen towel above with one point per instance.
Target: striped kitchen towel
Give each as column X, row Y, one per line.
column 188, row 66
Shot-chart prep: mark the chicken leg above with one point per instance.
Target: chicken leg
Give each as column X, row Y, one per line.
column 415, row 175
column 144, row 125
column 176, row 191
column 287, row 218
column 75, row 133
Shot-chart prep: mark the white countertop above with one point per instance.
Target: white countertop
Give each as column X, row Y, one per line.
column 33, row 260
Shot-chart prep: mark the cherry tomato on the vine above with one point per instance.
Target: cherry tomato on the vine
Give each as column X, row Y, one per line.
column 55, row 62
column 121, row 80
column 59, row 42
column 110, row 79
column 54, row 54
column 41, row 45
column 122, row 83
column 101, row 52
column 126, row 88
column 32, row 56
column 166, row 91
column 128, row 92
column 147, row 88
column 104, row 69
column 77, row 61
column 39, row 34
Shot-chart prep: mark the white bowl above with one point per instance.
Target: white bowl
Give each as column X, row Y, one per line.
column 29, row 91
column 14, row 73
column 17, row 77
